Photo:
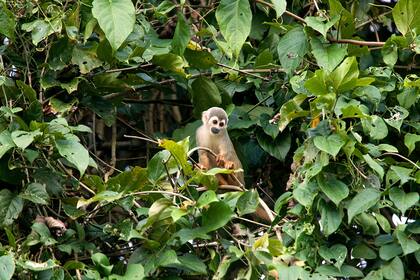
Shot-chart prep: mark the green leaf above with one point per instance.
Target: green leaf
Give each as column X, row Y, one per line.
column 405, row 14
column 328, row 56
column 10, row 207
column 234, row 18
column 74, row 152
column 36, row 193
column 181, row 36
column 375, row 127
column 277, row 148
column 383, row 222
column 345, row 271
column 331, row 144
column 306, row 192
column 6, row 142
column 291, row 110
column 7, row 23
column 319, row 24
column 170, row 62
column 403, row 200
column 331, row 218
column 101, row 263
column 335, row 189
column 36, row 266
column 248, row 202
column 374, row 165
column 410, row 141
column 408, row 245
column 216, row 216
column 206, row 198
column 398, row 114
column 317, row 84
column 336, row 254
column 200, row 59
column 346, row 23
column 291, row 49
column 279, row 7
column 394, row 270
column 390, row 52
column 345, row 76
column 134, row 272
column 362, row 202
column 402, row 173
column 205, row 94
column 368, row 223
column 7, row 265
column 193, row 263
column 179, row 152
column 41, row 29
column 363, row 251
column 155, row 167
column 389, row 251
column 116, row 19
column 23, row 139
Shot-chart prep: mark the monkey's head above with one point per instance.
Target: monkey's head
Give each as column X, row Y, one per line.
column 215, row 119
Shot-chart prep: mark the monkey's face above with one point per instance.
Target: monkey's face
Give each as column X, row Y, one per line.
column 216, row 125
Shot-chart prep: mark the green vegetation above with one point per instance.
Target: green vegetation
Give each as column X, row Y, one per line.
column 324, row 106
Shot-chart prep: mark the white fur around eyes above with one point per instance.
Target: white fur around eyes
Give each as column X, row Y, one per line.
column 213, row 118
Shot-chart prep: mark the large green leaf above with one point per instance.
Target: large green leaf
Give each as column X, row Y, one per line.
column 406, row 17
column 403, row 200
column 116, row 18
column 327, row 56
column 36, row 193
column 10, row 207
column 205, row 94
column 216, row 216
column 291, row 49
column 346, row 22
column 7, row 22
column 394, row 270
column 277, row 148
column 291, row 110
column 182, row 35
column 234, row 18
column 345, row 76
column 362, row 202
column 329, row 144
column 331, row 218
column 408, row 245
column 279, row 7
column 74, row 152
column 335, row 189
column 410, row 141
column 322, row 25
column 7, row 267
column 335, row 254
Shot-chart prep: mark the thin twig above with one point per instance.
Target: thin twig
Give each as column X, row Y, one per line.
column 161, row 192
column 113, row 153
column 142, row 138
column 357, row 42
column 403, row 157
column 243, row 72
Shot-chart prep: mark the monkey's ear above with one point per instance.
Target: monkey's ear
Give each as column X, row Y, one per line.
column 204, row 116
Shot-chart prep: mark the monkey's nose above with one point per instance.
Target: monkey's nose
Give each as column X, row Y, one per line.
column 215, row 130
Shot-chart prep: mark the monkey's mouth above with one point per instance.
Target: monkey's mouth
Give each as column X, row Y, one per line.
column 215, row 130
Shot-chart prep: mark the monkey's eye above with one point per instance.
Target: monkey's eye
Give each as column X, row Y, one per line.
column 214, row 121
column 221, row 124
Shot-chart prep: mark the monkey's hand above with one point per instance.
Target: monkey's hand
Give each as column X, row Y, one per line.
column 200, row 166
column 223, row 163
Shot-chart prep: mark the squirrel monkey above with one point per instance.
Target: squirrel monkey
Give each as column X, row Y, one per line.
column 214, row 136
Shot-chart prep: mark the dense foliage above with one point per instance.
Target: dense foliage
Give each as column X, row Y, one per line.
column 324, row 107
